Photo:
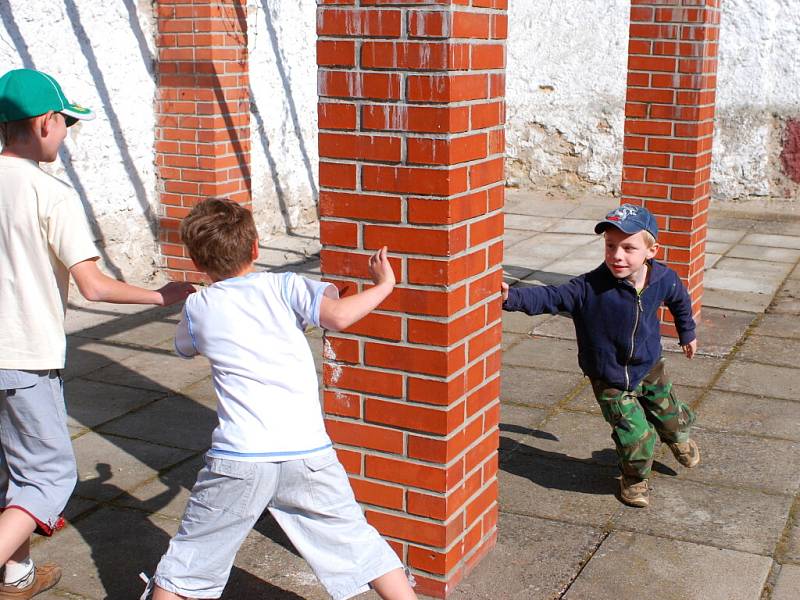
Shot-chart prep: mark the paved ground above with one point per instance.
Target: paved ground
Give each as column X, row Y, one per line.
column 727, row 530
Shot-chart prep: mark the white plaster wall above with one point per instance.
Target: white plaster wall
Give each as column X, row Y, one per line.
column 101, row 54
column 566, row 92
column 283, row 78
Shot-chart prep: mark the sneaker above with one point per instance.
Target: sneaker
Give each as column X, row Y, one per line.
column 44, row 577
column 686, row 453
column 634, row 492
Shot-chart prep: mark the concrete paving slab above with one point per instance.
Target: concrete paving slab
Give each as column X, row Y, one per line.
column 759, row 268
column 687, row 571
column 518, row 322
column 564, row 490
column 739, row 281
column 153, row 369
column 515, row 236
column 572, row 266
column 172, row 421
column 559, row 327
column 772, row 241
column 534, row 559
column 761, row 380
column 718, row 247
column 746, row 461
column 782, row 325
column 517, row 423
column 85, row 356
column 551, row 274
column 577, row 436
column 110, row 465
column 737, row 519
column 792, row 550
column 556, row 355
column 787, row 300
column 725, row 236
column 750, row 302
column 782, row 255
column 784, row 352
column 698, row 371
column 582, row 226
column 536, row 388
column 788, row 583
column 711, row 260
column 82, row 314
column 167, row 494
column 101, row 555
column 90, row 403
column 743, row 413
column 719, row 329
column 527, row 222
column 526, row 202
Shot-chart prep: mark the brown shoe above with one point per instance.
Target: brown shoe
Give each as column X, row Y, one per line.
column 686, row 453
column 44, row 577
column 634, row 492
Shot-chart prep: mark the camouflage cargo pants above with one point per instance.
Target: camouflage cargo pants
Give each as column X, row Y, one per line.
column 638, row 416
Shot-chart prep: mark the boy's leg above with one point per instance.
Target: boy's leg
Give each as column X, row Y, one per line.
column 634, row 436
column 16, row 528
column 671, row 418
column 226, row 501
column 315, row 507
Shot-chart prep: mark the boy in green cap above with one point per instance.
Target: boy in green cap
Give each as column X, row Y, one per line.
column 44, row 238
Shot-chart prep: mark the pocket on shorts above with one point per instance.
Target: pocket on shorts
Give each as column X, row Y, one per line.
column 12, row 379
column 225, row 485
column 323, row 461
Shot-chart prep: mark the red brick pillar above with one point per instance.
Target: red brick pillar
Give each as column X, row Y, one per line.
column 669, row 126
column 203, row 114
column 411, row 148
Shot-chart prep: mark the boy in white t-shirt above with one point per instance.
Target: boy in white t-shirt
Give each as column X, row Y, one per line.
column 270, row 449
column 44, row 238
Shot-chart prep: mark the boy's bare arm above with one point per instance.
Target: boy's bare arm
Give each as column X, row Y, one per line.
column 96, row 286
column 339, row 313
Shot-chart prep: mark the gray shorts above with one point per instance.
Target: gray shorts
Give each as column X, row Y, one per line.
column 311, row 500
column 37, row 464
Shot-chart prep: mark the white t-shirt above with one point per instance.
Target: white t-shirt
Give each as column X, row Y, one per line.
column 251, row 330
column 43, row 232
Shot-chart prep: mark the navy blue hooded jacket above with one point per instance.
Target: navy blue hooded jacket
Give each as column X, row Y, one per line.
column 619, row 337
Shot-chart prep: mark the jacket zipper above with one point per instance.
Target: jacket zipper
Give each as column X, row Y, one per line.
column 633, row 338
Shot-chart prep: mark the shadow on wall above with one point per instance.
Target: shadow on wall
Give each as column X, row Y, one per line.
column 66, row 158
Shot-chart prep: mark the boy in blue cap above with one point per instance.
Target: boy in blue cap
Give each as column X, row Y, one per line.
column 44, row 238
column 615, row 312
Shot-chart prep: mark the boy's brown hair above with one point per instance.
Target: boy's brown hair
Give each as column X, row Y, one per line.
column 219, row 235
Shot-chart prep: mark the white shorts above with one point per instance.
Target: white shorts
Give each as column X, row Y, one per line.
column 37, row 464
column 311, row 500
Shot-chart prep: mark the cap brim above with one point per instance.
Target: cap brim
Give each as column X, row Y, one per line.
column 78, row 112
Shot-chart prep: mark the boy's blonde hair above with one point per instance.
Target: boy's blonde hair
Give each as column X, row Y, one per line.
column 219, row 235
column 648, row 238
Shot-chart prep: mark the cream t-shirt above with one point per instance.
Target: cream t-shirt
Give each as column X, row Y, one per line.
column 43, row 232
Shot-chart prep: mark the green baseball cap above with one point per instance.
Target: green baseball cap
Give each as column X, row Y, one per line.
column 26, row 93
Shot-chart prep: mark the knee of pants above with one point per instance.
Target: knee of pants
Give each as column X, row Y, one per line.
column 627, row 419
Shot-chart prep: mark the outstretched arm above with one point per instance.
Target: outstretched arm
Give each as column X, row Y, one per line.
column 96, row 286
column 339, row 313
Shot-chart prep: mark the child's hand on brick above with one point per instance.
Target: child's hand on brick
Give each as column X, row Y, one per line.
column 690, row 348
column 504, row 290
column 380, row 269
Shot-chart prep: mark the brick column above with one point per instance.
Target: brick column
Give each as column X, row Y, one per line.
column 669, row 126
column 411, row 148
column 203, row 115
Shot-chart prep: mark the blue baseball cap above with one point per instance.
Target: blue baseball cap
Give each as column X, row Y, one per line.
column 630, row 219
